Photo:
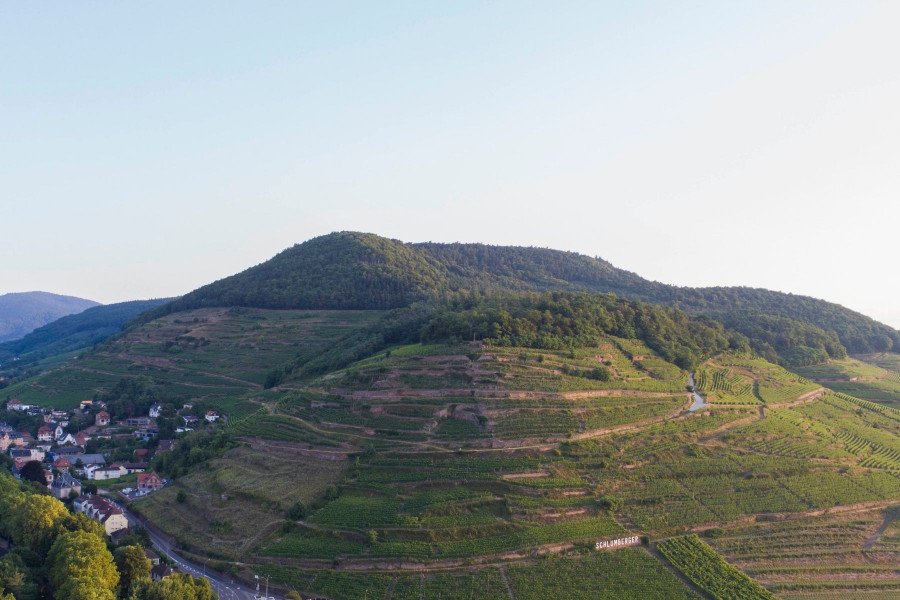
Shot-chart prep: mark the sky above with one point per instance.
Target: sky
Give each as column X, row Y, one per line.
column 149, row 148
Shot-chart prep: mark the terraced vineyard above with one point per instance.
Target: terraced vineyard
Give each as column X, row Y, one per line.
column 702, row 565
column 743, row 379
column 815, row 556
column 479, row 470
column 874, row 377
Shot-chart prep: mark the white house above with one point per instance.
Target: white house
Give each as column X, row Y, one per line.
column 18, row 406
column 155, row 411
column 101, row 473
column 45, row 434
column 212, row 416
column 101, row 509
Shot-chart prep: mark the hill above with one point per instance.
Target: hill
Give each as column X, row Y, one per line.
column 365, row 271
column 23, row 312
column 392, row 456
column 70, row 333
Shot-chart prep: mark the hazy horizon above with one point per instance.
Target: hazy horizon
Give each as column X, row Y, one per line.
column 149, row 150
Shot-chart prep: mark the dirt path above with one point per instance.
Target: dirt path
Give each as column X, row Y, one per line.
column 889, row 516
column 505, row 578
column 796, row 516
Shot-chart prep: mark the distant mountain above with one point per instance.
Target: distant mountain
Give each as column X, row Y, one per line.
column 23, row 312
column 350, row 270
column 74, row 332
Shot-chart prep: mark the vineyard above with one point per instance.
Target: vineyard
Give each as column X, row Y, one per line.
column 463, row 470
column 706, row 568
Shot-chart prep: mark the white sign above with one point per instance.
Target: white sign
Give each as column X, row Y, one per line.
column 627, row 541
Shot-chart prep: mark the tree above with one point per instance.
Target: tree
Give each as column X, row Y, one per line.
column 35, row 520
column 80, row 522
column 80, row 567
column 297, row 511
column 33, row 471
column 180, row 497
column 179, row 586
column 133, row 566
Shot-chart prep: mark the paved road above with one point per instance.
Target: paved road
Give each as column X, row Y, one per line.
column 226, row 587
column 699, row 401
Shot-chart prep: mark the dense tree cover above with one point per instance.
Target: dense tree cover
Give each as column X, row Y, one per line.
column 179, row 586
column 785, row 340
column 80, row 567
column 131, row 396
column 33, row 470
column 343, row 270
column 134, row 567
column 21, row 421
column 856, row 332
column 559, row 320
column 355, row 270
column 67, row 555
column 191, row 450
column 551, row 320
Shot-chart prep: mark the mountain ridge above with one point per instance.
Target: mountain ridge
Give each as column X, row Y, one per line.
column 353, row 270
column 23, row 312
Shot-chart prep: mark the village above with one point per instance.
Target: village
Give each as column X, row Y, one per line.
column 96, row 462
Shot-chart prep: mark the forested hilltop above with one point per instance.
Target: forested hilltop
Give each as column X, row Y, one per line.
column 349, row 270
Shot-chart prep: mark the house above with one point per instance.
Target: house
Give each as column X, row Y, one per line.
column 27, row 454
column 85, row 405
column 59, row 415
column 17, row 406
column 66, row 440
column 190, row 420
column 8, row 439
column 146, row 433
column 165, row 446
column 152, row 556
column 102, row 473
column 62, row 464
column 134, row 467
column 102, row 419
column 140, row 422
column 141, row 454
column 102, row 510
column 45, row 434
column 63, row 486
column 188, row 406
column 149, row 482
column 81, row 439
column 60, row 432
column 87, row 459
column 160, row 572
column 212, row 416
column 155, row 411
column 68, row 451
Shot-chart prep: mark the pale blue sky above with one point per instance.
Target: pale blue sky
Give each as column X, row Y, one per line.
column 149, row 148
